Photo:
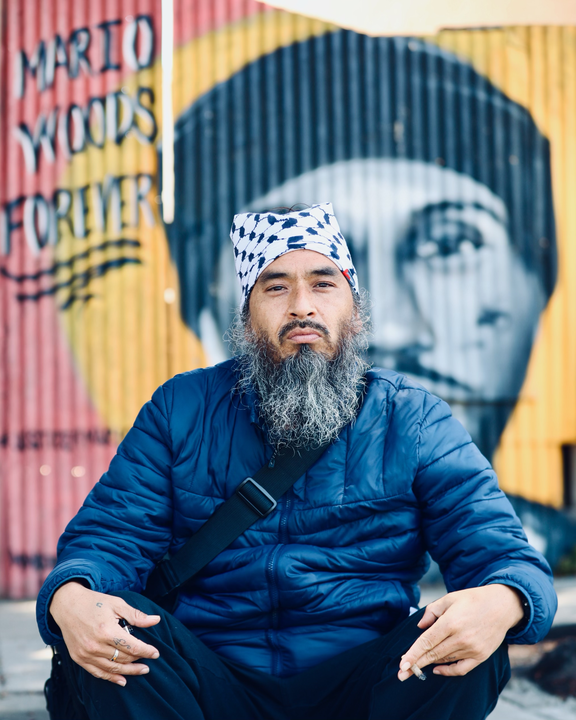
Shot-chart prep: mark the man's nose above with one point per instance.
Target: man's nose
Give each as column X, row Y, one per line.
column 301, row 303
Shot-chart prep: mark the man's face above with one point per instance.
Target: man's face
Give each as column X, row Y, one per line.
column 453, row 303
column 301, row 298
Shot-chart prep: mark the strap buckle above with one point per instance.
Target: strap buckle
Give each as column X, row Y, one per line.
column 254, row 495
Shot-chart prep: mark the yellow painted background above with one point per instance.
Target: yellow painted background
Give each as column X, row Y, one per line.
column 536, row 67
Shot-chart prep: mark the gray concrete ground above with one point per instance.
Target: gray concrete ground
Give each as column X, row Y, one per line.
column 25, row 665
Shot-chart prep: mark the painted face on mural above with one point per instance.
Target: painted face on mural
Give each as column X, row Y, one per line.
column 448, row 212
column 454, row 305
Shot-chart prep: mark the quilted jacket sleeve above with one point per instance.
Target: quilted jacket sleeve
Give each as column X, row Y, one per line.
column 124, row 525
column 470, row 527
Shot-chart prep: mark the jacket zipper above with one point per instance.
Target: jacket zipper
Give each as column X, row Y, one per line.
column 286, row 511
column 271, row 573
column 272, row 569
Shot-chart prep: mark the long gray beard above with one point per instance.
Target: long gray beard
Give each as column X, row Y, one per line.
column 306, row 399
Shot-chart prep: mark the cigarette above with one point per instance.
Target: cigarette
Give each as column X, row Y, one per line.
column 416, row 670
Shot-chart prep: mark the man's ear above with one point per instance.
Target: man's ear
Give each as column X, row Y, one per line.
column 357, row 323
column 246, row 318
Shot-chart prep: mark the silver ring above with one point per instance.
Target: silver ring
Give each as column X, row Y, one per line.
column 116, row 653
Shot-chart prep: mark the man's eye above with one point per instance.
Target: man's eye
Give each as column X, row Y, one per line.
column 273, row 288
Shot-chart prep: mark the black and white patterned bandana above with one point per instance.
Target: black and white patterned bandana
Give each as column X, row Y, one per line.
column 261, row 238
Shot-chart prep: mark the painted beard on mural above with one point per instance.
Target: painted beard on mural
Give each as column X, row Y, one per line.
column 305, row 399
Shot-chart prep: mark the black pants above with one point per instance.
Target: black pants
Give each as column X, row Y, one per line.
column 190, row 682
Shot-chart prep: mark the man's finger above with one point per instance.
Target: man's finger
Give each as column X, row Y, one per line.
column 115, row 672
column 108, row 654
column 127, row 668
column 433, row 612
column 130, row 646
column 103, row 674
column 456, row 669
column 454, row 657
column 436, row 655
column 426, row 643
column 133, row 616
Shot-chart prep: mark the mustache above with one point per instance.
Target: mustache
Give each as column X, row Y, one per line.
column 293, row 324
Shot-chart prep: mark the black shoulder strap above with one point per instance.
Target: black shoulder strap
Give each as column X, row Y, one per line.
column 254, row 498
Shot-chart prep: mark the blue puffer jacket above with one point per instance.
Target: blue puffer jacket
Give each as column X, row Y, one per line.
column 338, row 562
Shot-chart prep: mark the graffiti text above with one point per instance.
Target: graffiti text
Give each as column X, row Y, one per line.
column 112, row 117
column 56, row 439
column 112, row 205
column 76, row 53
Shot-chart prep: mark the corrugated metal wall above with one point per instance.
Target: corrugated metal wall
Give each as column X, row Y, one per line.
column 435, row 153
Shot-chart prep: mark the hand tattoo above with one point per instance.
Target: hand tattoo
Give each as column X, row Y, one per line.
column 122, row 642
column 99, row 604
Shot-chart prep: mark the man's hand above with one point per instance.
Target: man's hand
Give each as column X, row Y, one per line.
column 463, row 628
column 89, row 624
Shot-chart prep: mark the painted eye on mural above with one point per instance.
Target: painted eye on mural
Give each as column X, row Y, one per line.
column 440, row 236
column 449, row 238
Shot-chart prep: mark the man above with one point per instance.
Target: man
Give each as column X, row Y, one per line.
column 307, row 614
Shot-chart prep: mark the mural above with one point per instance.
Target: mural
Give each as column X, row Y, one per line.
column 449, row 161
column 441, row 184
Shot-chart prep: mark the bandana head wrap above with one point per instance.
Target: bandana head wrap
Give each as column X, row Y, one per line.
column 261, row 238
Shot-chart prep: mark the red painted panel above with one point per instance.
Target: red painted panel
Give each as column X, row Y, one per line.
column 54, row 443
